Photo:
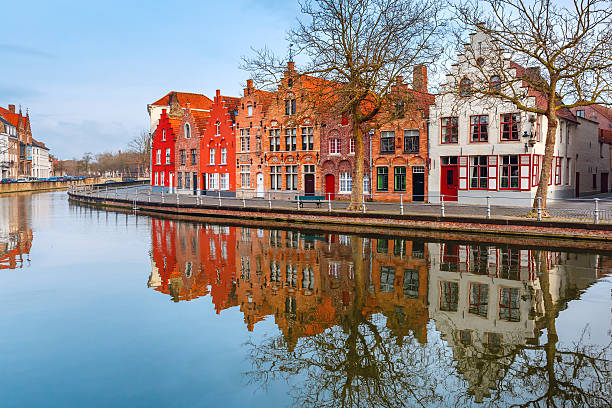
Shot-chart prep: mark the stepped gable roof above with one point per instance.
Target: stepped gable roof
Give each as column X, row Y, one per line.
column 201, row 120
column 197, row 101
column 12, row 118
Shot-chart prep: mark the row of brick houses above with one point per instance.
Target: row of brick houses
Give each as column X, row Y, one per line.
column 451, row 147
column 20, row 154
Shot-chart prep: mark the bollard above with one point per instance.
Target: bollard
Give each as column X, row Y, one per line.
column 488, row 207
column 539, row 199
column 401, row 204
column 442, row 205
column 596, row 212
column 298, row 202
column 243, row 202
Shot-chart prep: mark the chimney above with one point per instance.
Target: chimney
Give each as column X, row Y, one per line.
column 175, row 108
column 249, row 83
column 12, row 108
column 218, row 93
column 419, row 78
column 291, row 66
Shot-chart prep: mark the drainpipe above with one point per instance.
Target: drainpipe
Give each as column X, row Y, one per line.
column 371, row 134
column 428, row 160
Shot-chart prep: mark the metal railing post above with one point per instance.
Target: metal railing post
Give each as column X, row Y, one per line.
column 149, row 196
column 243, row 202
column 402, row 204
column 539, row 217
column 219, row 192
column 162, row 196
column 328, row 202
column 488, row 207
column 298, row 202
column 442, row 209
column 596, row 212
column 270, row 200
column 363, row 207
column 177, row 199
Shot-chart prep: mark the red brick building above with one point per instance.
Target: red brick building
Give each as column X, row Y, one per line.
column 163, row 152
column 218, row 148
column 399, row 147
column 24, row 136
column 187, row 151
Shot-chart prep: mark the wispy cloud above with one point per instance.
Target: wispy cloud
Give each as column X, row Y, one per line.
column 18, row 49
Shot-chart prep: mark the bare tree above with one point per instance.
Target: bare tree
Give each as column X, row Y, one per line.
column 360, row 47
column 548, row 58
column 141, row 146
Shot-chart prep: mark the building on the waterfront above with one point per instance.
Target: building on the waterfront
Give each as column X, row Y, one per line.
column 41, row 164
column 217, row 163
column 197, row 102
column 188, row 155
column 24, row 137
column 603, row 117
column 15, row 231
column 8, row 149
column 400, row 146
column 483, row 147
column 163, row 148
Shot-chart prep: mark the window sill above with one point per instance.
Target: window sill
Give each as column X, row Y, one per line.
column 411, row 152
column 478, row 141
column 393, row 152
column 449, row 143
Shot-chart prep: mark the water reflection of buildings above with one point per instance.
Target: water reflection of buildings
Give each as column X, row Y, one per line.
column 485, row 300
column 15, row 231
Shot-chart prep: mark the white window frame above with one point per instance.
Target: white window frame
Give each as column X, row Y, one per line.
column 224, row 181
column 223, row 155
column 187, row 131
column 211, row 158
column 334, row 142
column 168, row 155
column 346, row 183
column 158, row 156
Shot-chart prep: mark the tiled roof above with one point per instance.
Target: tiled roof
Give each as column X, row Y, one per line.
column 39, row 144
column 602, row 110
column 197, row 101
column 201, row 120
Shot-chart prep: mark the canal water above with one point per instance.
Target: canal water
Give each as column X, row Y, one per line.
column 102, row 309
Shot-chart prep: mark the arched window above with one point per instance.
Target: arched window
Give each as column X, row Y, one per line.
column 218, row 126
column 494, row 83
column 187, row 131
column 465, row 87
column 163, row 134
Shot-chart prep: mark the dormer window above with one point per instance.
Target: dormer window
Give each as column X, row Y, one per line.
column 250, row 110
column 494, row 83
column 290, row 105
column 187, row 131
column 465, row 87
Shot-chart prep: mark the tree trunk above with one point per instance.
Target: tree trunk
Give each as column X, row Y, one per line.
column 549, row 151
column 550, row 314
column 357, row 188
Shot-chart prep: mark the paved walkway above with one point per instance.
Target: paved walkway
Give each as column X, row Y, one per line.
column 568, row 209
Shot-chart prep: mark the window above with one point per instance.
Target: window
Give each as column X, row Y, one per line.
column 290, row 106
column 399, row 178
column 494, row 83
column 213, row 181
column 479, row 172
column 449, row 296
column 163, row 134
column 250, row 110
column 275, row 177
column 182, row 153
column 567, row 171
column 179, row 180
column 346, row 183
column 580, row 113
column 382, row 178
column 509, row 172
column 194, row 157
column 387, row 141
column 223, row 155
column 387, row 278
column 411, row 283
column 211, row 159
column 290, row 139
column 334, row 145
column 224, row 181
column 479, row 299
column 557, row 164
column 351, row 146
column 217, row 128
column 245, row 176
column 450, row 130
column 156, row 179
column 509, row 305
column 291, row 177
column 309, row 168
column 245, row 140
column 366, row 184
column 275, row 140
column 510, row 126
column 411, row 141
column 382, row 246
column 479, row 128
column 158, row 157
column 187, row 131
column 465, row 337
column 163, row 181
column 187, row 181
column 465, row 87
column 307, row 138
column 168, row 156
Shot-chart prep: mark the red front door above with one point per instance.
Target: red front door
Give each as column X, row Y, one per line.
column 330, row 185
column 449, row 182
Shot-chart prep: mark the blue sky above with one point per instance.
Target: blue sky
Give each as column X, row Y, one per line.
column 86, row 70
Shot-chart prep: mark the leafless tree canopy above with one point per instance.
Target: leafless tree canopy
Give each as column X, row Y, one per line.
column 359, row 47
column 566, row 54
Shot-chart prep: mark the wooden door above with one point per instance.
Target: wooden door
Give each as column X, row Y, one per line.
column 260, row 185
column 309, row 184
column 449, row 185
column 418, row 186
column 577, row 184
column 604, row 183
column 330, row 187
column 195, row 183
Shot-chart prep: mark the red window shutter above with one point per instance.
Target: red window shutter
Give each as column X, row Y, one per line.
column 492, row 172
column 536, row 170
column 463, row 172
column 524, row 167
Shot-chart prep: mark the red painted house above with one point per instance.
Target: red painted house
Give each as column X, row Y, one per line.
column 188, row 153
column 163, row 166
column 218, row 148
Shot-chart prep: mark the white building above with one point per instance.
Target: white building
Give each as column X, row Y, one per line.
column 196, row 102
column 483, row 146
column 41, row 165
column 8, row 155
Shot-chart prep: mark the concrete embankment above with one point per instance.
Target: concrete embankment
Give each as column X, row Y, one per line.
column 390, row 224
column 33, row 186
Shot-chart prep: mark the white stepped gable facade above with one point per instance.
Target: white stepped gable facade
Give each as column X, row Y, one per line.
column 483, row 146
